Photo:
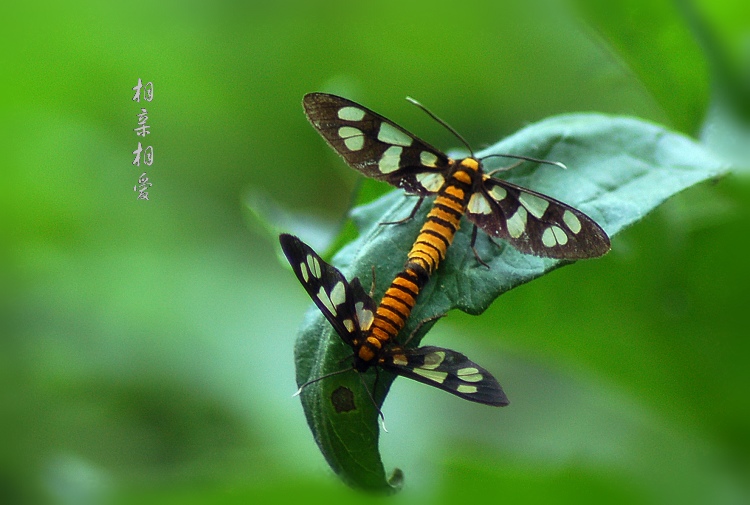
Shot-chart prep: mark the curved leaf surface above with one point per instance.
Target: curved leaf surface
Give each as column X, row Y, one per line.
column 620, row 169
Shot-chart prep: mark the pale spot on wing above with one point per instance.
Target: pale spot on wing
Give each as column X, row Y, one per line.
column 433, row 375
column 323, row 297
column 390, row 160
column 365, row 316
column 351, row 113
column 392, row 135
column 548, row 238
column 338, row 295
column 354, row 139
column 305, row 273
column 400, row 360
column 469, row 374
column 433, row 360
column 498, row 193
column 354, row 143
column 572, row 221
column 312, row 263
column 517, row 222
column 535, row 205
column 463, row 388
column 478, row 204
column 554, row 235
column 560, row 235
column 469, row 370
column 428, row 159
column 431, row 181
column 349, row 325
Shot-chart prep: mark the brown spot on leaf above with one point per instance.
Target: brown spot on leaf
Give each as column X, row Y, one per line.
column 343, row 399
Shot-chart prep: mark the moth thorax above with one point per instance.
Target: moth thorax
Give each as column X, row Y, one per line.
column 470, row 164
column 364, row 357
column 361, row 364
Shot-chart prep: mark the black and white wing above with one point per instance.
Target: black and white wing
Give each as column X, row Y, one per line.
column 535, row 223
column 375, row 146
column 346, row 305
column 448, row 370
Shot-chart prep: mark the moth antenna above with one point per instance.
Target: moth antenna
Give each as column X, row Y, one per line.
column 523, row 158
column 446, row 125
column 313, row 381
column 474, row 248
column 505, row 169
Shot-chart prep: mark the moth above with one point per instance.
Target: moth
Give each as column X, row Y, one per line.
column 351, row 312
column 531, row 222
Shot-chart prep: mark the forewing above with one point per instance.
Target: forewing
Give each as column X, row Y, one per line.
column 375, row 146
column 346, row 306
column 448, row 370
column 534, row 223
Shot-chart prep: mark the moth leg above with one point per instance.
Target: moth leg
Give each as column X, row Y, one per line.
column 474, row 249
column 348, row 356
column 372, row 286
column 313, row 381
column 372, row 398
column 410, row 216
column 375, row 384
column 419, row 325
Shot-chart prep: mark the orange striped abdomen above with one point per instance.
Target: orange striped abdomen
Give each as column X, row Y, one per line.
column 392, row 313
column 441, row 225
column 428, row 250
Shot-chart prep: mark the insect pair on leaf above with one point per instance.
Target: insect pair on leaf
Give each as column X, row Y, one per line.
column 531, row 222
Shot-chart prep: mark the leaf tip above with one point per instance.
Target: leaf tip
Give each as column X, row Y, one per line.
column 396, row 480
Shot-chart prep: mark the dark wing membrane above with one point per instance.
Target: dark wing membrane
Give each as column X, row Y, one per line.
column 448, row 370
column 534, row 223
column 343, row 304
column 375, row 146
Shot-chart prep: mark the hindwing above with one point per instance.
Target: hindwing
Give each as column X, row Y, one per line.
column 350, row 310
column 445, row 369
column 535, row 223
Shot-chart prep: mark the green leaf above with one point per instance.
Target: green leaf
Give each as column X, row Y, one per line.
column 713, row 68
column 726, row 128
column 647, row 44
column 619, row 170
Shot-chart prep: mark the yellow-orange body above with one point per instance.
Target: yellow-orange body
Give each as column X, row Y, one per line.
column 436, row 235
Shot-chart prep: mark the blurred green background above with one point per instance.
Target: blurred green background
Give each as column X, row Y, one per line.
column 146, row 347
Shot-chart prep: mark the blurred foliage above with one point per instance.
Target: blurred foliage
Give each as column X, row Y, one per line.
column 146, row 347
